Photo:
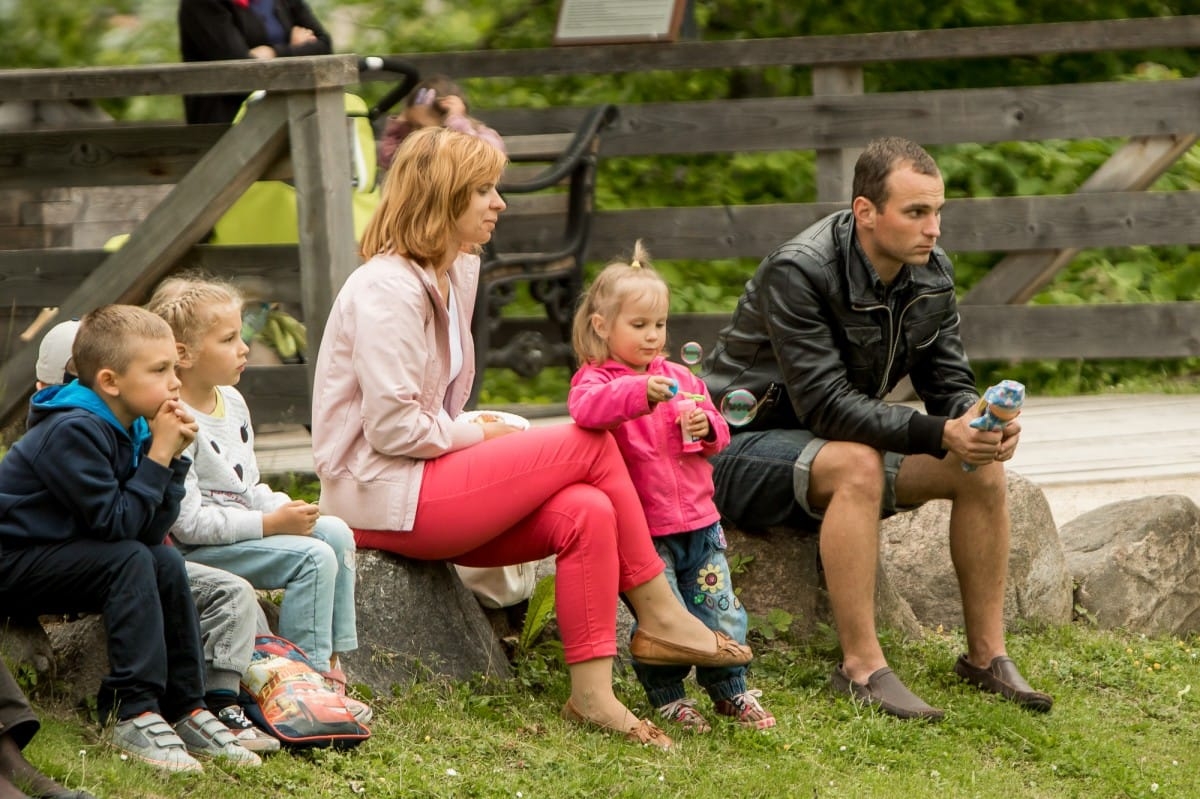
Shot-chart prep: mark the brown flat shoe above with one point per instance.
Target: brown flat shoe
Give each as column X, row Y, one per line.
column 654, row 651
column 645, row 733
column 1002, row 677
column 884, row 690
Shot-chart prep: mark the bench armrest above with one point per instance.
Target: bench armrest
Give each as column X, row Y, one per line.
column 596, row 120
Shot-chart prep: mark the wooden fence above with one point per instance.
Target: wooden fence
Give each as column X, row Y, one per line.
column 1159, row 120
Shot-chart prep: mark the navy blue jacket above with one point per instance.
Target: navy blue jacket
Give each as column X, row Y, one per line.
column 78, row 473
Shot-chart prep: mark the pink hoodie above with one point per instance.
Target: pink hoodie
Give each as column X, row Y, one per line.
column 675, row 487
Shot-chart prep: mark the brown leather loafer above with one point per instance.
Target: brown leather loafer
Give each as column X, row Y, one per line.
column 1002, row 677
column 884, row 690
column 646, row 733
column 654, row 651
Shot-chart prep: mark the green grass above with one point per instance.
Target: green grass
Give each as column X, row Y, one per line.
column 1125, row 724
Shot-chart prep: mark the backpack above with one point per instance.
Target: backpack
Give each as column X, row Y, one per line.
column 288, row 697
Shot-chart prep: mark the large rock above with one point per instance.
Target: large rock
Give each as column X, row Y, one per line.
column 916, row 584
column 25, row 646
column 417, row 618
column 1137, row 566
column 785, row 574
column 916, row 556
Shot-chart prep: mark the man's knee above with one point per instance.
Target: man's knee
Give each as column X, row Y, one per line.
column 849, row 468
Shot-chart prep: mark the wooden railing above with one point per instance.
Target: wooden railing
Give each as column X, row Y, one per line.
column 1159, row 120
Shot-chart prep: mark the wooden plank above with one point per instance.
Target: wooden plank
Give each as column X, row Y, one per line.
column 867, row 48
column 328, row 251
column 1028, row 113
column 1002, row 224
column 1004, row 332
column 212, row 77
column 537, row 146
column 113, row 155
column 178, row 222
column 835, row 168
column 1018, row 277
column 277, row 394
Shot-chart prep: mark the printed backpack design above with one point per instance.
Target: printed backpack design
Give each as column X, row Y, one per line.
column 290, row 699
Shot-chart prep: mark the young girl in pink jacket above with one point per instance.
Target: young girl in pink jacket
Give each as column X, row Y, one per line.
column 666, row 428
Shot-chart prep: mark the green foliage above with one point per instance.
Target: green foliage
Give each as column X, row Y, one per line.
column 774, row 625
column 537, row 615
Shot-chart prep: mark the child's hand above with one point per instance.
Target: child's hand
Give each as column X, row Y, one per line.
column 172, row 429
column 295, row 518
column 659, row 389
column 451, row 105
column 695, row 423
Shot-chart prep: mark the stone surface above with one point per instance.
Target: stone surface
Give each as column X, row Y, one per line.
column 417, row 618
column 916, row 557
column 1137, row 564
column 784, row 574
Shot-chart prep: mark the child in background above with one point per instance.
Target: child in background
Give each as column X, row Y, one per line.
column 658, row 411
column 435, row 101
column 89, row 493
column 231, row 520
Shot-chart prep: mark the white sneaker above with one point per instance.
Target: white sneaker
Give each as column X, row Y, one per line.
column 204, row 735
column 151, row 740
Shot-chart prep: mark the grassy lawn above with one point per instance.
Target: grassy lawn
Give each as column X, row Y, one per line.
column 1124, row 725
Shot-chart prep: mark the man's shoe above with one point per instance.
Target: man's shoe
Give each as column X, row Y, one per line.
column 151, row 740
column 654, row 651
column 247, row 734
column 1002, row 677
column 205, row 736
column 884, row 690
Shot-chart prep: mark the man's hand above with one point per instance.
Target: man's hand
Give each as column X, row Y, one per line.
column 1010, row 437
column 264, row 52
column 972, row 446
column 295, row 518
column 171, row 430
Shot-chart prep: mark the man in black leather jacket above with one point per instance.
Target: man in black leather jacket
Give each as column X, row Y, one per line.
column 828, row 325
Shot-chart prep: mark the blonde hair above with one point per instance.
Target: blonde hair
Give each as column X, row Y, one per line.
column 109, row 338
column 428, row 187
column 189, row 304
column 617, row 282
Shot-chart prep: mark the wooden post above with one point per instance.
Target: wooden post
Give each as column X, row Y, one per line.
column 321, row 164
column 835, row 168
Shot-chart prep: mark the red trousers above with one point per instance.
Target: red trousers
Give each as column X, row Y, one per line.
column 557, row 490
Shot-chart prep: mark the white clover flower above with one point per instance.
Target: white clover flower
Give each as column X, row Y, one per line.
column 451, row 772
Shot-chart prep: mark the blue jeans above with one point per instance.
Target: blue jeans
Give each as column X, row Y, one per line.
column 699, row 576
column 761, row 480
column 317, row 577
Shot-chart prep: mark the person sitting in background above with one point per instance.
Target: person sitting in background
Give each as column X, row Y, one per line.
column 434, row 102
column 18, row 777
column 222, row 30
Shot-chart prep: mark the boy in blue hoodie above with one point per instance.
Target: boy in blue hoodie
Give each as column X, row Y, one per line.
column 86, row 499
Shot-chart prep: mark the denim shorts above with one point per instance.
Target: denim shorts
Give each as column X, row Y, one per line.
column 761, row 480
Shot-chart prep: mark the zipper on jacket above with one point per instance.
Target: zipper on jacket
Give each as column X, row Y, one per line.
column 894, row 332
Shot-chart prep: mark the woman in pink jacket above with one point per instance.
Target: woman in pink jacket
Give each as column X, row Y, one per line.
column 394, row 371
column 666, row 428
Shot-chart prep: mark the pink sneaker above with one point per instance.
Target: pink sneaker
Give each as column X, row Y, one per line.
column 748, row 711
column 683, row 712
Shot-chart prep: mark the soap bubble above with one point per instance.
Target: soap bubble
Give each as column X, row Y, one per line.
column 739, row 407
column 691, row 353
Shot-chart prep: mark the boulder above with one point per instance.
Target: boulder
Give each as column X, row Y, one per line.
column 784, row 574
column 916, row 557
column 417, row 618
column 1137, row 564
column 25, row 646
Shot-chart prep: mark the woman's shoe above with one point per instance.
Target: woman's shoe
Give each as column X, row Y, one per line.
column 654, row 651
column 645, row 733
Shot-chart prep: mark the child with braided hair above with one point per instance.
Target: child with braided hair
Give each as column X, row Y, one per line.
column 657, row 411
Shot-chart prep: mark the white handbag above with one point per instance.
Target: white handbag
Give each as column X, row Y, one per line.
column 500, row 586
